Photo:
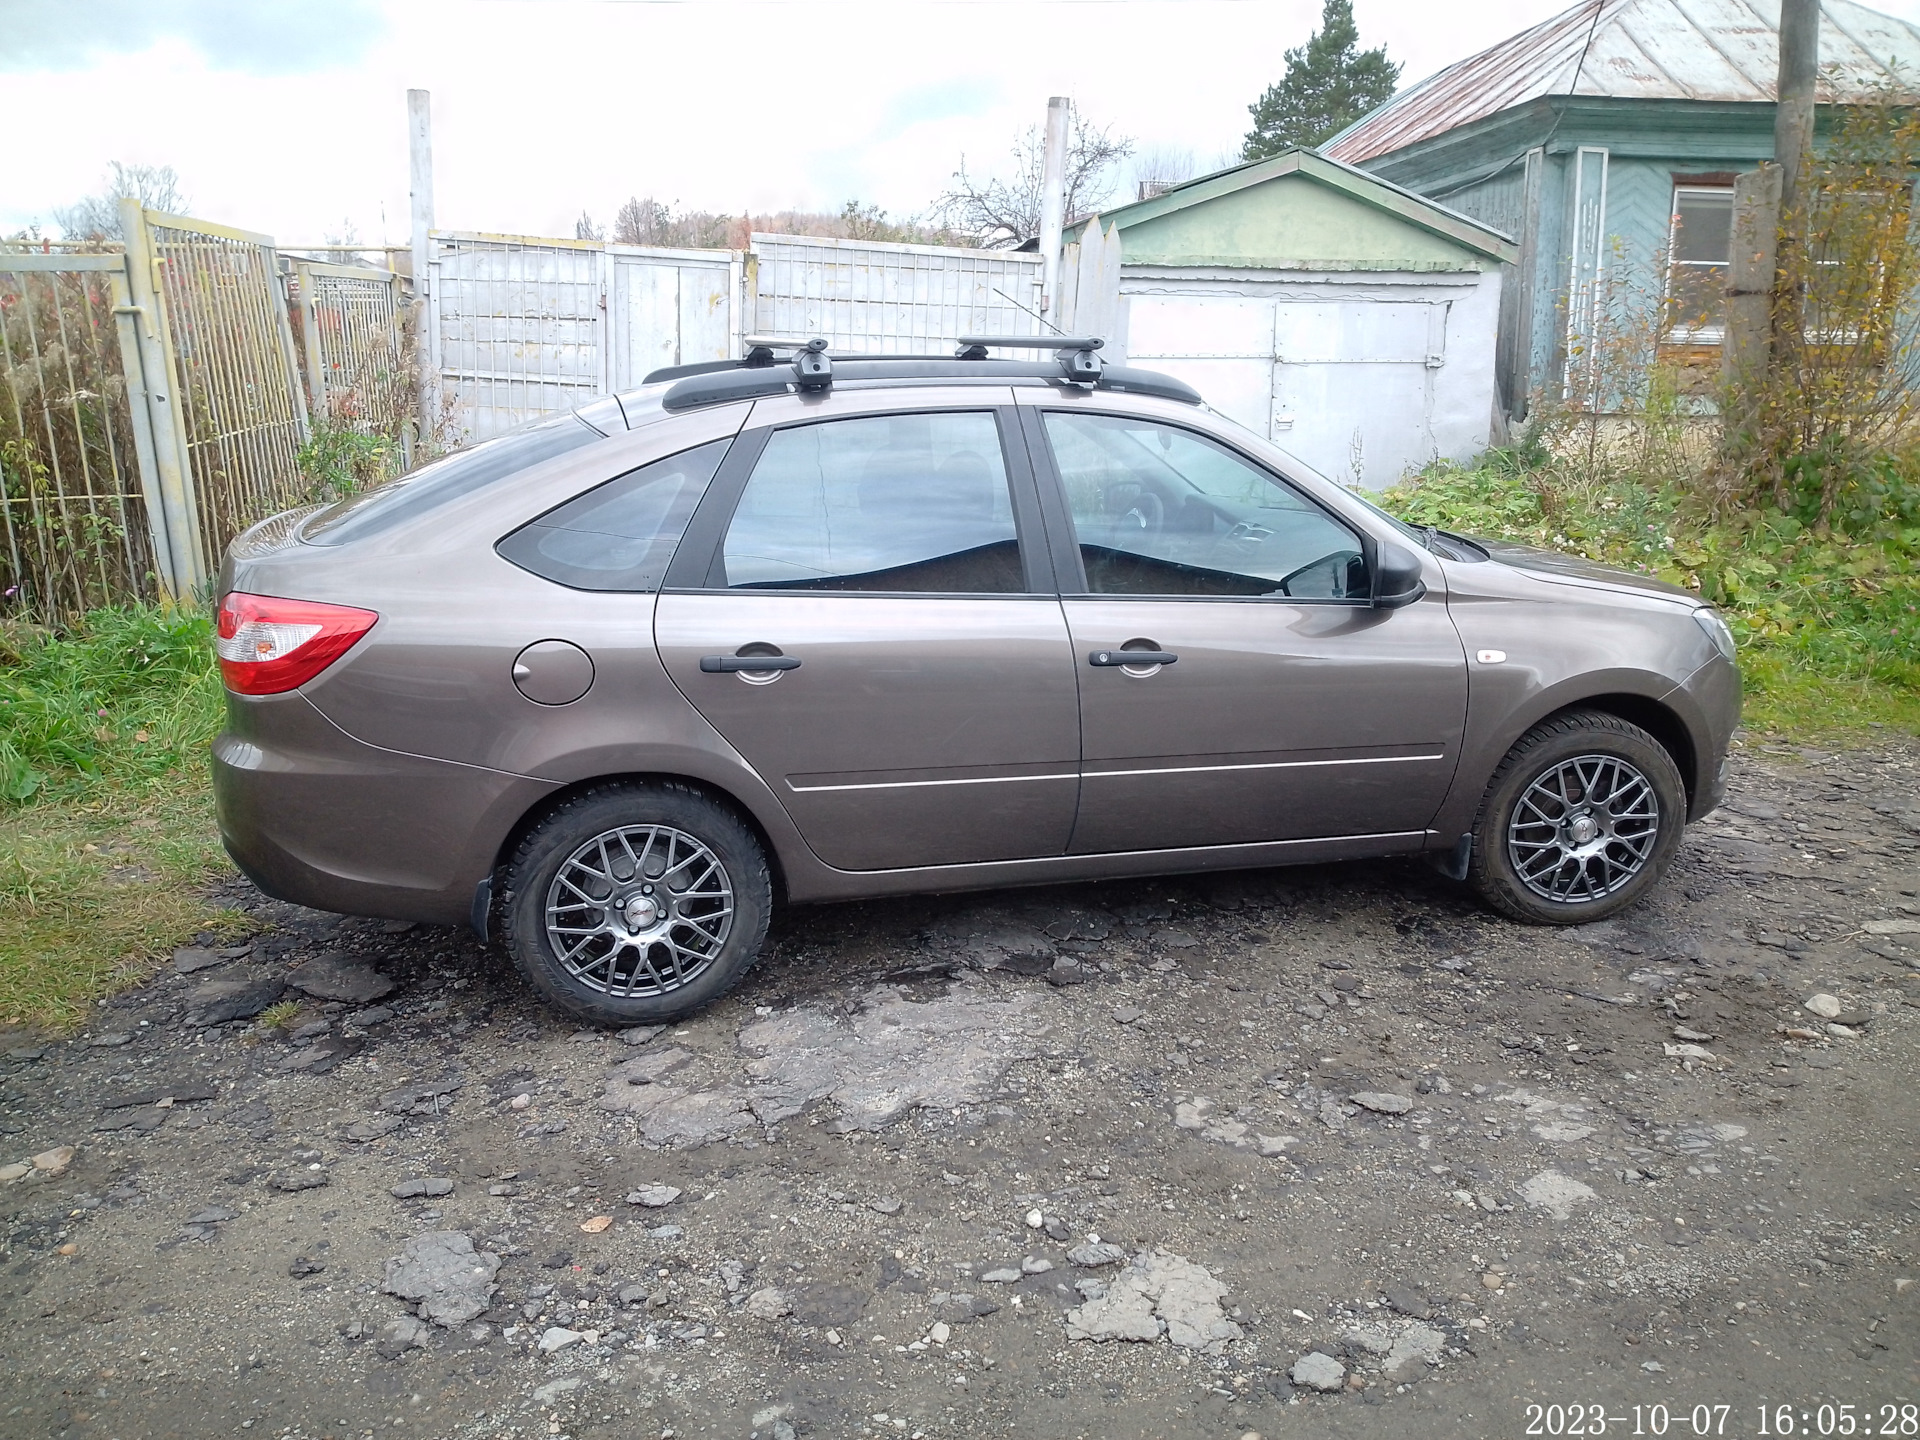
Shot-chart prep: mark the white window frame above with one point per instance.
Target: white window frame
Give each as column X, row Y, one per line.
column 1693, row 334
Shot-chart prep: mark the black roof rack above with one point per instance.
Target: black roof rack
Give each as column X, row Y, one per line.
column 1076, row 361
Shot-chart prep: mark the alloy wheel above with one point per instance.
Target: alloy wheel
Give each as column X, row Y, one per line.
column 641, row 910
column 1583, row 829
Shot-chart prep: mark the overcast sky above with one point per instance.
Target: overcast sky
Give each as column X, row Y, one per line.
column 288, row 116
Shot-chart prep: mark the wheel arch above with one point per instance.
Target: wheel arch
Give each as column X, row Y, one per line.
column 554, row 799
column 1660, row 721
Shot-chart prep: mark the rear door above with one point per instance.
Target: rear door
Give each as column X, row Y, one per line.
column 1272, row 701
column 882, row 556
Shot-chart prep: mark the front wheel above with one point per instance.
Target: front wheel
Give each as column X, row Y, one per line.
column 1580, row 820
column 636, row 904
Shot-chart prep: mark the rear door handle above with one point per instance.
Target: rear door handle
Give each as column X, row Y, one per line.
column 727, row 664
column 1132, row 657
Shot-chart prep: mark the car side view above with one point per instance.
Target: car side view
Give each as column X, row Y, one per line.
column 803, row 628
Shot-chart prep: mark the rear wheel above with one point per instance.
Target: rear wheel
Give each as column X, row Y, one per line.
column 637, row 904
column 1580, row 820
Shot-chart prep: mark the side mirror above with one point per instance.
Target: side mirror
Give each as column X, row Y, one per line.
column 1396, row 577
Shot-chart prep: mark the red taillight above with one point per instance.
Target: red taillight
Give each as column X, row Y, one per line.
column 267, row 646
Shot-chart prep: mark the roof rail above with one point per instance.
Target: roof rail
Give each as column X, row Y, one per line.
column 1075, row 362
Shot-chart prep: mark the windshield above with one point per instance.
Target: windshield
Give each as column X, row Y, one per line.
column 443, row 481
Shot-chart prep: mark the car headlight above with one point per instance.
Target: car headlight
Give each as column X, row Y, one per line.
column 1709, row 620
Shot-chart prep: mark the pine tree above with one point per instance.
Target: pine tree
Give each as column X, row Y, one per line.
column 1328, row 85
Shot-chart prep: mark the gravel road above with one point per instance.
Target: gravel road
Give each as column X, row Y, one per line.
column 1325, row 1151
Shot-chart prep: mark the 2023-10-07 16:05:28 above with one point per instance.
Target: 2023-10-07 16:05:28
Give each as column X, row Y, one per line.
column 1900, row 1417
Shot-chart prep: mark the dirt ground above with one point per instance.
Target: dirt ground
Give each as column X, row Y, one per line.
column 1084, row 1161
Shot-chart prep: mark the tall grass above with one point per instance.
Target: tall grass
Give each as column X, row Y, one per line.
column 106, row 822
column 127, row 694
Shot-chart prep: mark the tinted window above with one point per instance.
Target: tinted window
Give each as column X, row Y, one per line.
column 620, row 535
column 444, row 481
column 885, row 502
column 1162, row 511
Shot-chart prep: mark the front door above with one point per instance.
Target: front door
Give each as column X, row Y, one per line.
column 916, row 705
column 1270, row 702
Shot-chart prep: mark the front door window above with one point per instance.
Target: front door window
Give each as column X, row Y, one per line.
column 1163, row 511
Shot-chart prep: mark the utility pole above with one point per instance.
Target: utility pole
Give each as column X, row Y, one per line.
column 420, row 189
column 1769, row 221
column 1053, row 184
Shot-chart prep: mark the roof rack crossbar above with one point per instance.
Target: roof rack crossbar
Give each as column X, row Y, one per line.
column 1032, row 342
column 694, row 387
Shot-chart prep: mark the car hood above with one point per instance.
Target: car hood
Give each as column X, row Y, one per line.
column 1563, row 569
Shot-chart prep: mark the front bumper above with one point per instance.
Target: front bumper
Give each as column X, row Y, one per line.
column 313, row 816
column 1712, row 696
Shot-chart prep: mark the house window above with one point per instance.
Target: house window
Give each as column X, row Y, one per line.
column 1699, row 247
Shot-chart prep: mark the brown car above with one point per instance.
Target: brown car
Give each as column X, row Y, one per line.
column 827, row 628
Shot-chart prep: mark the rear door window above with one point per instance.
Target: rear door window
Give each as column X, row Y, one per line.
column 881, row 503
column 620, row 535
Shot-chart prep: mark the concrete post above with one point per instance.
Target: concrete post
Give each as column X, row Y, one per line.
column 420, row 190
column 1053, row 184
column 1750, row 281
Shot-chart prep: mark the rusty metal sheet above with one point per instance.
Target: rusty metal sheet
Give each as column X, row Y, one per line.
column 1719, row 50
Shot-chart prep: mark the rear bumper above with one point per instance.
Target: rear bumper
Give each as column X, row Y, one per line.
column 313, row 816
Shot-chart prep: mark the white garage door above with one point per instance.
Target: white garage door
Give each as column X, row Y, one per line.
column 1344, row 384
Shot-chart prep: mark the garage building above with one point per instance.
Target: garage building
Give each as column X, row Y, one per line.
column 1350, row 321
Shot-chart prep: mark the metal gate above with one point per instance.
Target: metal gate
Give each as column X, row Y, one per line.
column 73, row 513
column 868, row 296
column 670, row 307
column 231, row 357
column 352, row 344
column 1343, row 378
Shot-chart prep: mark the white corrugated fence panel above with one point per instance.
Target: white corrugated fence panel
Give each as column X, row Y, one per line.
column 517, row 328
column 883, row 298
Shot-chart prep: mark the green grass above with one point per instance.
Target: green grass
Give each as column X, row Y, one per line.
column 1828, row 621
column 107, row 839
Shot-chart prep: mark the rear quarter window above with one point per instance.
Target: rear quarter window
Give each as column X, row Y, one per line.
column 445, row 481
column 619, row 535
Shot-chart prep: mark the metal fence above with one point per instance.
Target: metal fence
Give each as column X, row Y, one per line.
column 232, row 352
column 74, row 517
column 521, row 326
column 516, row 327
column 152, row 403
column 351, row 341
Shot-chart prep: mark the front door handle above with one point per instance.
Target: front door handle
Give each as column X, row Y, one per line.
column 1132, row 657
column 727, row 664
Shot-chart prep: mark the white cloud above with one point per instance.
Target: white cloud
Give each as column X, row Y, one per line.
column 542, row 107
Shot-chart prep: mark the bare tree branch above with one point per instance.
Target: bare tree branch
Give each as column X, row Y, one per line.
column 1005, row 214
column 97, row 216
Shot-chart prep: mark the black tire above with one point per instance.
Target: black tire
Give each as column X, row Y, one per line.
column 1519, row 871
column 652, row 953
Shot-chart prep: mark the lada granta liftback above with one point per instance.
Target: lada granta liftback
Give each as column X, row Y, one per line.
column 825, row 629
